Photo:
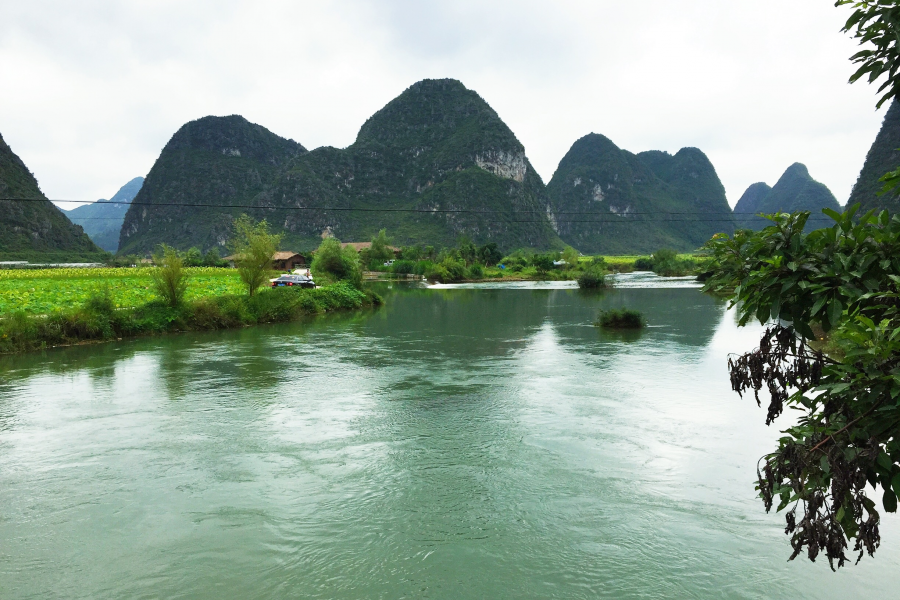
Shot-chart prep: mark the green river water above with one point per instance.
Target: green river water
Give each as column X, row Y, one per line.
column 481, row 441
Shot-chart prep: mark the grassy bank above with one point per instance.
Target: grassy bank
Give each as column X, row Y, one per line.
column 98, row 318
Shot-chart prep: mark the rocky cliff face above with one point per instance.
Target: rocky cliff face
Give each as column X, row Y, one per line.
column 883, row 157
column 435, row 163
column 795, row 190
column 608, row 200
column 35, row 230
column 102, row 220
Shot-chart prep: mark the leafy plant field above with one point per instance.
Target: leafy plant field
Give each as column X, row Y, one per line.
column 46, row 290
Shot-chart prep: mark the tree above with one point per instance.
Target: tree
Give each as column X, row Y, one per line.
column 169, row 277
column 842, row 280
column 876, row 26
column 489, row 254
column 381, row 251
column 542, row 262
column 193, row 257
column 570, row 255
column 253, row 247
column 331, row 261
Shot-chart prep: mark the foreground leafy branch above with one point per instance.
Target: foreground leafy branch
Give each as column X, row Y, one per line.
column 843, row 281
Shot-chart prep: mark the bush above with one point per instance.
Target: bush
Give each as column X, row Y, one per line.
column 403, row 267
column 334, row 263
column 169, row 278
column 542, row 262
column 643, row 264
column 621, row 319
column 476, row 271
column 593, row 278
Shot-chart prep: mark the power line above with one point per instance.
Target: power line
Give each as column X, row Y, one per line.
column 418, row 210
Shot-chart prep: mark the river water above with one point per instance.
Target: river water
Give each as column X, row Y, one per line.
column 481, row 441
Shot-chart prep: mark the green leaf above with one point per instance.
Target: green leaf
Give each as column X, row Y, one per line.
column 890, row 501
column 895, row 483
column 834, row 312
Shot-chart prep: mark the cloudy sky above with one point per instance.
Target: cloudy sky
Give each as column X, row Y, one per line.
column 93, row 89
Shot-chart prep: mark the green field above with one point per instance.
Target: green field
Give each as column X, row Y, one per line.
column 43, row 291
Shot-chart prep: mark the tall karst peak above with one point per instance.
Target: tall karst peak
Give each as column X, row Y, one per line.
column 435, row 163
column 610, row 200
column 234, row 136
column 795, row 190
column 883, row 156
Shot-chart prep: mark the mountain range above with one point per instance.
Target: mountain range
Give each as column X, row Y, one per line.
column 102, row 220
column 611, row 201
column 795, row 190
column 32, row 227
column 436, row 163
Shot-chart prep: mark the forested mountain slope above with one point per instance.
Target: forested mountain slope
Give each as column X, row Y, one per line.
column 219, row 163
column 608, row 200
column 435, row 163
column 35, row 230
column 883, row 156
column 795, row 190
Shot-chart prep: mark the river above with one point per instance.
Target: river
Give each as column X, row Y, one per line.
column 473, row 441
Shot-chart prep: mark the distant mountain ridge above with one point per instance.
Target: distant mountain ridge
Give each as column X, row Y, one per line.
column 35, row 228
column 795, row 190
column 435, row 163
column 883, row 157
column 102, row 220
column 609, row 200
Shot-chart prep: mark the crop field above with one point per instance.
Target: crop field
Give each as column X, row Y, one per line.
column 43, row 291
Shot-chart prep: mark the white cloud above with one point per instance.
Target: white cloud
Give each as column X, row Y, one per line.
column 99, row 87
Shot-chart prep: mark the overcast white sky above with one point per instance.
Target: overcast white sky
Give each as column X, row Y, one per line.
column 92, row 90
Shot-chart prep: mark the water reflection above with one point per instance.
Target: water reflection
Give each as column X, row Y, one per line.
column 459, row 442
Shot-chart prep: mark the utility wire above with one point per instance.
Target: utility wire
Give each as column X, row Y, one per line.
column 417, row 210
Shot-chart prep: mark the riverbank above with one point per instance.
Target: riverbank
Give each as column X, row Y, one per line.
column 98, row 319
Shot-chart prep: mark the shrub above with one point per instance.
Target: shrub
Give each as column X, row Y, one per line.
column 593, row 278
column 169, row 277
column 542, row 262
column 337, row 264
column 403, row 267
column 476, row 271
column 621, row 319
column 643, row 264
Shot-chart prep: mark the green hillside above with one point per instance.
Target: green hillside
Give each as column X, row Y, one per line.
column 102, row 220
column 36, row 231
column 795, row 190
column 423, row 167
column 219, row 161
column 883, row 156
column 608, row 200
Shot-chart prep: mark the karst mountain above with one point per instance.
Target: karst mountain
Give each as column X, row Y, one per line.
column 32, row 227
column 795, row 190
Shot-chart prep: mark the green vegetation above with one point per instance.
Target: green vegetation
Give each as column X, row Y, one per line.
column 796, row 190
column 623, row 318
column 436, row 147
column 170, row 279
column 593, row 277
column 99, row 320
column 36, row 230
column 610, row 201
column 333, row 263
column 253, row 248
column 668, row 263
column 43, row 291
column 844, row 280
